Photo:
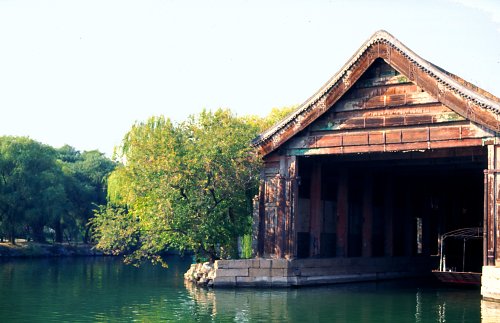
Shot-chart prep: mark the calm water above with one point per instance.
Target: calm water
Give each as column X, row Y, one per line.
column 104, row 290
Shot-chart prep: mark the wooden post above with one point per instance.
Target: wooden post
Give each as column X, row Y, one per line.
column 281, row 221
column 367, row 249
column 496, row 206
column 342, row 213
column 316, row 210
column 291, row 206
column 388, row 217
column 262, row 218
column 491, row 208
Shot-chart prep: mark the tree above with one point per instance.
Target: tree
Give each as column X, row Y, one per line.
column 31, row 191
column 184, row 186
column 85, row 181
column 41, row 187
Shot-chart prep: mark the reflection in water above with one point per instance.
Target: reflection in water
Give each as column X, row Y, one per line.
column 490, row 312
column 368, row 302
column 103, row 289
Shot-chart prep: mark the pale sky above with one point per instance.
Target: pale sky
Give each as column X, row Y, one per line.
column 81, row 72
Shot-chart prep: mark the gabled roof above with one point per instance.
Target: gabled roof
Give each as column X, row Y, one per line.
column 466, row 99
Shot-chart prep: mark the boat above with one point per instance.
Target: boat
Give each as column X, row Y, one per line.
column 451, row 275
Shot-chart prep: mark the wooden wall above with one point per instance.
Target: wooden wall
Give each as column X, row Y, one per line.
column 385, row 111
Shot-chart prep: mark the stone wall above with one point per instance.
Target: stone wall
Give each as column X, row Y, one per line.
column 300, row 272
column 490, row 283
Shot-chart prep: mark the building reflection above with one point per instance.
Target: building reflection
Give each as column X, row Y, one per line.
column 490, row 312
column 367, row 302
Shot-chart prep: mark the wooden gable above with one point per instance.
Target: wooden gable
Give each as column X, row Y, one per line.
column 385, row 111
column 386, row 98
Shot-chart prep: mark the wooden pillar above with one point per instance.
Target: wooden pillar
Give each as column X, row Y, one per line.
column 367, row 250
column 388, row 217
column 342, row 213
column 262, row 218
column 491, row 219
column 282, row 194
column 316, row 210
column 271, row 198
column 291, row 201
column 496, row 193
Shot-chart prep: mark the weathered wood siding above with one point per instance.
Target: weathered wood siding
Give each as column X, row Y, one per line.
column 385, row 111
column 279, row 200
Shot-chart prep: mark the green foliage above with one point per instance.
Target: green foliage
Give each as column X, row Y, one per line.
column 41, row 188
column 275, row 116
column 85, row 185
column 31, row 190
column 184, row 186
column 246, row 246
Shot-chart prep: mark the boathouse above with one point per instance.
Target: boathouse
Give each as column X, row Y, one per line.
column 362, row 179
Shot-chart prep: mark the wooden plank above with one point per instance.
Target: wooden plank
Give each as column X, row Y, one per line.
column 473, row 131
column 374, row 122
column 455, row 143
column 355, row 139
column 389, row 89
column 389, row 147
column 376, row 137
column 415, row 135
column 444, row 133
column 407, row 146
column 418, row 119
column 449, row 116
column 329, row 140
column 394, row 121
column 393, row 136
column 435, row 109
column 382, row 101
column 362, row 149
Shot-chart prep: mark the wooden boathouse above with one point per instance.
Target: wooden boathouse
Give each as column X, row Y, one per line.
column 362, row 179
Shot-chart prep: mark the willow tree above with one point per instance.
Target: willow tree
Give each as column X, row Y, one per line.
column 185, row 186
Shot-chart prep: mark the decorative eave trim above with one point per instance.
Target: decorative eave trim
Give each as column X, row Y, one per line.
column 381, row 37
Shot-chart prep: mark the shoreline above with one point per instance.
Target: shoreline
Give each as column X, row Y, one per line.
column 44, row 250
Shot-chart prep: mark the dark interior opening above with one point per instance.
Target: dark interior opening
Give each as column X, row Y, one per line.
column 412, row 198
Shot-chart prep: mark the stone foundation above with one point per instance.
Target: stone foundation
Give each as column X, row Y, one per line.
column 302, row 272
column 490, row 283
column 201, row 274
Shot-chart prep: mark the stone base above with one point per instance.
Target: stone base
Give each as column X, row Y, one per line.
column 490, row 283
column 302, row 272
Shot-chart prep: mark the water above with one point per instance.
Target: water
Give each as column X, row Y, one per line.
column 105, row 290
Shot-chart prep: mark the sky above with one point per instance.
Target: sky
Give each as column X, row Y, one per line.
column 82, row 72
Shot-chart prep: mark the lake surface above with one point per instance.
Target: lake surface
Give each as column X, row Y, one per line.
column 102, row 289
